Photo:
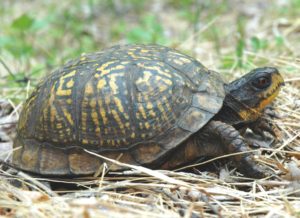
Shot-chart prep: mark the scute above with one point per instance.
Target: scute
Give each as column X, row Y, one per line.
column 132, row 99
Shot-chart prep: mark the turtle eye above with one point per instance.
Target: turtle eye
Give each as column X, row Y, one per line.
column 261, row 82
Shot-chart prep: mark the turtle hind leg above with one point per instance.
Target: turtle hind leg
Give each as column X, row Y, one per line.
column 232, row 142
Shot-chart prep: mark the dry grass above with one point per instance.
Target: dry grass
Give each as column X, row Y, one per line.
column 142, row 192
column 146, row 193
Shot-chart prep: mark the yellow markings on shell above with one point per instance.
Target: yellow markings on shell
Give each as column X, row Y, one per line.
column 168, row 106
column 101, row 83
column 68, row 115
column 95, row 115
column 97, row 130
column 52, row 107
column 103, row 67
column 157, row 69
column 149, row 106
column 163, row 84
column 118, row 67
column 89, row 89
column 162, row 110
column 93, row 103
column 45, row 117
column 119, row 104
column 62, row 92
column 85, row 141
column 177, row 61
column 52, row 114
column 108, row 141
column 107, row 71
column 139, row 97
column 163, row 87
column 145, row 78
column 83, row 121
column 147, row 125
column 132, row 135
column 180, row 60
column 167, row 81
column 120, row 107
column 102, row 112
column 70, row 74
column 106, row 131
column 88, row 92
column 132, row 54
column 185, row 60
column 59, row 125
column 124, row 63
column 160, row 107
column 83, row 58
column 118, row 120
column 146, row 98
column 138, row 115
column 152, row 113
column 142, row 111
column 112, row 83
column 167, row 103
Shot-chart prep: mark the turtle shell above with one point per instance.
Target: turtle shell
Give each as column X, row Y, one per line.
column 134, row 103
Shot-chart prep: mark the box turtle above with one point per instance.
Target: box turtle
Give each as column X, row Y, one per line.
column 144, row 105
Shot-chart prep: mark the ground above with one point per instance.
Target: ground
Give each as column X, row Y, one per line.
column 230, row 37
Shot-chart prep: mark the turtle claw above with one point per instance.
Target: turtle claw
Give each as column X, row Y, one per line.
column 263, row 126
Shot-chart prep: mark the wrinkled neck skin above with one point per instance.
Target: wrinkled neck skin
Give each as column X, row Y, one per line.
column 235, row 112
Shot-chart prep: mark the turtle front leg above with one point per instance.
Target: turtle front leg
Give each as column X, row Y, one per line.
column 232, row 142
column 216, row 139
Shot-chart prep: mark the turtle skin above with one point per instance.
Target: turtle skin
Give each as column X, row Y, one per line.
column 140, row 101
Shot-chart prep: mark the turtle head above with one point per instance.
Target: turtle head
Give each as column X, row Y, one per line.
column 255, row 91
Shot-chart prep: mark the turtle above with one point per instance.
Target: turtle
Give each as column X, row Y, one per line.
column 145, row 105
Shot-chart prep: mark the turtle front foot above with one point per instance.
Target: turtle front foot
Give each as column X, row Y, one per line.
column 264, row 125
column 233, row 142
